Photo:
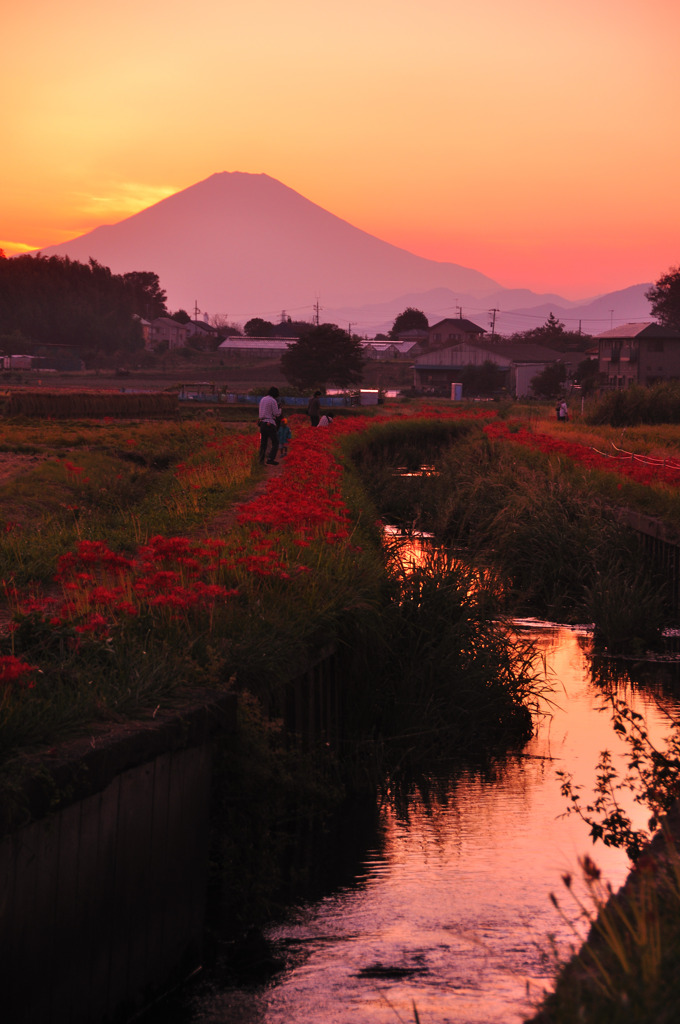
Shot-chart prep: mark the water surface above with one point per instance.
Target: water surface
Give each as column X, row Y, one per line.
column 451, row 909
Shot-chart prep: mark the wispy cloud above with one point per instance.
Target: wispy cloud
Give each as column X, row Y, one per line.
column 15, row 248
column 124, row 198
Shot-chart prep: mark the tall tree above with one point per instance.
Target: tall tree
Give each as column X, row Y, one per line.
column 549, row 382
column 482, row 380
column 147, row 296
column 60, row 301
column 553, row 334
column 181, row 316
column 324, row 355
column 259, row 328
column 588, row 375
column 410, row 320
column 664, row 297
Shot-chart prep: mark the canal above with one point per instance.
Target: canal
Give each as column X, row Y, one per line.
column 449, row 913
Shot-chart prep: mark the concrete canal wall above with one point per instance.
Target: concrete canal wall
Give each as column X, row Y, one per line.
column 661, row 546
column 104, row 858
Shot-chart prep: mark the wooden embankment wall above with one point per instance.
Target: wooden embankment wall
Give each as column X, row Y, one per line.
column 661, row 546
column 103, row 884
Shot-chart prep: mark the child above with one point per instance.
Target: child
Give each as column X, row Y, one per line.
column 284, row 436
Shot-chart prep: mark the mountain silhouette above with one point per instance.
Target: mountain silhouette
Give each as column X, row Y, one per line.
column 247, row 245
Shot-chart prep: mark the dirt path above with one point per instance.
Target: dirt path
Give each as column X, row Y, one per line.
column 226, row 519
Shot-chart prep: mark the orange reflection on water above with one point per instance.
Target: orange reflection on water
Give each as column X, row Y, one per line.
column 412, row 550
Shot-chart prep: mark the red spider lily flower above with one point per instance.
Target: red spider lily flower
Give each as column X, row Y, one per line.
column 13, row 670
column 94, row 624
column 213, row 591
column 126, row 608
column 650, row 472
column 104, row 595
column 173, row 599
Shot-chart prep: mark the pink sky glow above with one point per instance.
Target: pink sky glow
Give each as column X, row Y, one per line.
column 534, row 142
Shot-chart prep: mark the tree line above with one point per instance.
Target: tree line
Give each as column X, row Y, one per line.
column 95, row 313
column 81, row 306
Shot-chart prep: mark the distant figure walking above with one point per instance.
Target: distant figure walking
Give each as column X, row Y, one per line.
column 285, row 435
column 562, row 411
column 314, row 408
column 268, row 412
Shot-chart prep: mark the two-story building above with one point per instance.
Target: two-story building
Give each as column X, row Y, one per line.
column 453, row 331
column 164, row 332
column 638, row 354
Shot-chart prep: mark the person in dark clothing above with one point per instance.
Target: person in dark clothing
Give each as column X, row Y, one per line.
column 314, row 408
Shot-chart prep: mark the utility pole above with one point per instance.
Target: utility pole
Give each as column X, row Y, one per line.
column 317, row 310
column 493, row 320
column 349, row 329
column 611, row 319
column 196, row 310
column 460, row 312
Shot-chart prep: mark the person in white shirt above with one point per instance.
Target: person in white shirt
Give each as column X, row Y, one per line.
column 268, row 413
column 325, row 421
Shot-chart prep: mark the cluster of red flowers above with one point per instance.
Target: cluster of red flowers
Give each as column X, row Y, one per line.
column 647, row 472
column 306, row 497
column 101, row 586
column 174, row 575
column 13, row 670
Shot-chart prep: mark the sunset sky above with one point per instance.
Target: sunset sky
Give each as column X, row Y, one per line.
column 536, row 141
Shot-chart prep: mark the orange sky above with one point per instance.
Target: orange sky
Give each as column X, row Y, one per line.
column 535, row 140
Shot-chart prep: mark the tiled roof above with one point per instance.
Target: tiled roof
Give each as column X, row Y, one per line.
column 648, row 329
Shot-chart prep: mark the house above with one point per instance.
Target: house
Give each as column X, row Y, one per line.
column 202, row 333
column 452, row 332
column 641, row 353
column 145, row 327
column 517, row 362
column 164, row 332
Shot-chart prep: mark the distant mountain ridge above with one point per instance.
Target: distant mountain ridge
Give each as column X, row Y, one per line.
column 628, row 305
column 246, row 245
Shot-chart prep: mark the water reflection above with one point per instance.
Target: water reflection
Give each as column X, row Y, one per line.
column 451, row 908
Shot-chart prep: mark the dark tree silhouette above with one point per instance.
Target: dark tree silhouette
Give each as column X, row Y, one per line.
column 258, row 328
column 548, row 383
column 181, row 316
column 481, row 380
column 553, row 334
column 147, row 296
column 410, row 320
column 82, row 306
column 664, row 297
column 324, row 355
column 587, row 375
